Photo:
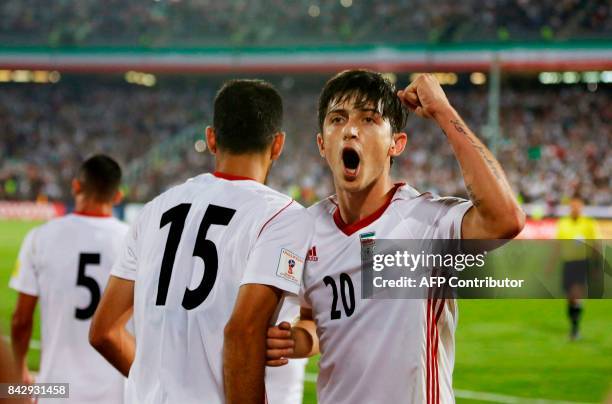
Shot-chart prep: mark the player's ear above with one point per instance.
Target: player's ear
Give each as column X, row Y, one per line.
column 118, row 197
column 398, row 144
column 277, row 145
column 321, row 145
column 76, row 187
column 211, row 139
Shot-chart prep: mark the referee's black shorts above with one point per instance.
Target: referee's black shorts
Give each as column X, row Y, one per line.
column 575, row 273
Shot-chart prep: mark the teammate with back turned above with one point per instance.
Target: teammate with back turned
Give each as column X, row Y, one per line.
column 65, row 265
column 205, row 266
column 385, row 351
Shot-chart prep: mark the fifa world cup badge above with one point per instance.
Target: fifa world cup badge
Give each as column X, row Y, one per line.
column 290, row 266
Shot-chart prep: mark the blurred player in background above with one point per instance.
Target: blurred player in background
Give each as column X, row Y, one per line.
column 576, row 259
column 65, row 264
column 206, row 265
column 392, row 351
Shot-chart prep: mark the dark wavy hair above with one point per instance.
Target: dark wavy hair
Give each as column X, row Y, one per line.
column 368, row 88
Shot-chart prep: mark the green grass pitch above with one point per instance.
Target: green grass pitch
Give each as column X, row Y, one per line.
column 513, row 348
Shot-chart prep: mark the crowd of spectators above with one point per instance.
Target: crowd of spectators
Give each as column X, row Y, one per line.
column 159, row 23
column 553, row 144
column 47, row 131
column 554, row 140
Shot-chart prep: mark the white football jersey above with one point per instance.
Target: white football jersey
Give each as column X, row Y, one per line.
column 285, row 384
column 66, row 263
column 188, row 252
column 380, row 350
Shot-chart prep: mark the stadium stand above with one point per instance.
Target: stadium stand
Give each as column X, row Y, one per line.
column 551, row 144
column 273, row 22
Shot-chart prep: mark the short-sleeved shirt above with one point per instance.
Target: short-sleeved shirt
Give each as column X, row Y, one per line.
column 66, row 263
column 188, row 252
column 375, row 350
column 580, row 229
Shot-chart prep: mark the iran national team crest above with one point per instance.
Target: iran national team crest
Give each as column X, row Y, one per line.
column 367, row 239
column 368, row 242
column 290, row 266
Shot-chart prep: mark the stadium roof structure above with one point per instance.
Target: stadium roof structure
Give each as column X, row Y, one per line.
column 572, row 55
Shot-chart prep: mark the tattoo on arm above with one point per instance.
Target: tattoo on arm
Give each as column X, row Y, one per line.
column 458, row 127
column 490, row 163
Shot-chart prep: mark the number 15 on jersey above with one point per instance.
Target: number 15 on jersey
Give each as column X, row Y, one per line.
column 203, row 248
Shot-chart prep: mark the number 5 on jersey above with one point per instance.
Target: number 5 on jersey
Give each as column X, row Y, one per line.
column 203, row 248
column 89, row 283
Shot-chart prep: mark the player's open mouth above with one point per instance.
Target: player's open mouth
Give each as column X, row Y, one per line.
column 350, row 159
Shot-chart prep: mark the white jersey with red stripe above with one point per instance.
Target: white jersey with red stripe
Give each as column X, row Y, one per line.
column 188, row 252
column 380, row 350
column 66, row 263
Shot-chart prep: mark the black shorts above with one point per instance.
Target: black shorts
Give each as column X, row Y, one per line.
column 575, row 273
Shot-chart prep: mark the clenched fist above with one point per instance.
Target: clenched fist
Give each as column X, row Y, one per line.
column 425, row 96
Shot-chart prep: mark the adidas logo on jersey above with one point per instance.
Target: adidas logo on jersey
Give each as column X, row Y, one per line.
column 312, row 254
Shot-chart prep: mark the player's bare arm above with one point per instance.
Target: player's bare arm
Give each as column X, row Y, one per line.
column 8, row 372
column 298, row 341
column 21, row 332
column 496, row 213
column 107, row 333
column 244, row 363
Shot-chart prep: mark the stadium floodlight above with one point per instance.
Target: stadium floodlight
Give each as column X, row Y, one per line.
column 571, row 77
column 590, row 77
column 549, row 77
column 314, row 11
column 200, row 146
column 478, row 78
column 21, row 76
column 54, row 76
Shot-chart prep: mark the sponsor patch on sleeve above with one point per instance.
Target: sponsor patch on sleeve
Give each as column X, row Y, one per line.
column 16, row 269
column 290, row 267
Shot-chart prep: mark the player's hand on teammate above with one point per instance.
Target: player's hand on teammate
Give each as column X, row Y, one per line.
column 279, row 344
column 425, row 96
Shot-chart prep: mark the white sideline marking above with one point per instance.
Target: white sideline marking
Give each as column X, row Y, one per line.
column 500, row 398
column 482, row 396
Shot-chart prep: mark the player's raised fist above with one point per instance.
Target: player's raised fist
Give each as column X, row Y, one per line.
column 425, row 96
column 279, row 344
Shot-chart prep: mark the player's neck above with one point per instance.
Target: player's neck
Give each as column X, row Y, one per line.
column 355, row 206
column 243, row 165
column 88, row 207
